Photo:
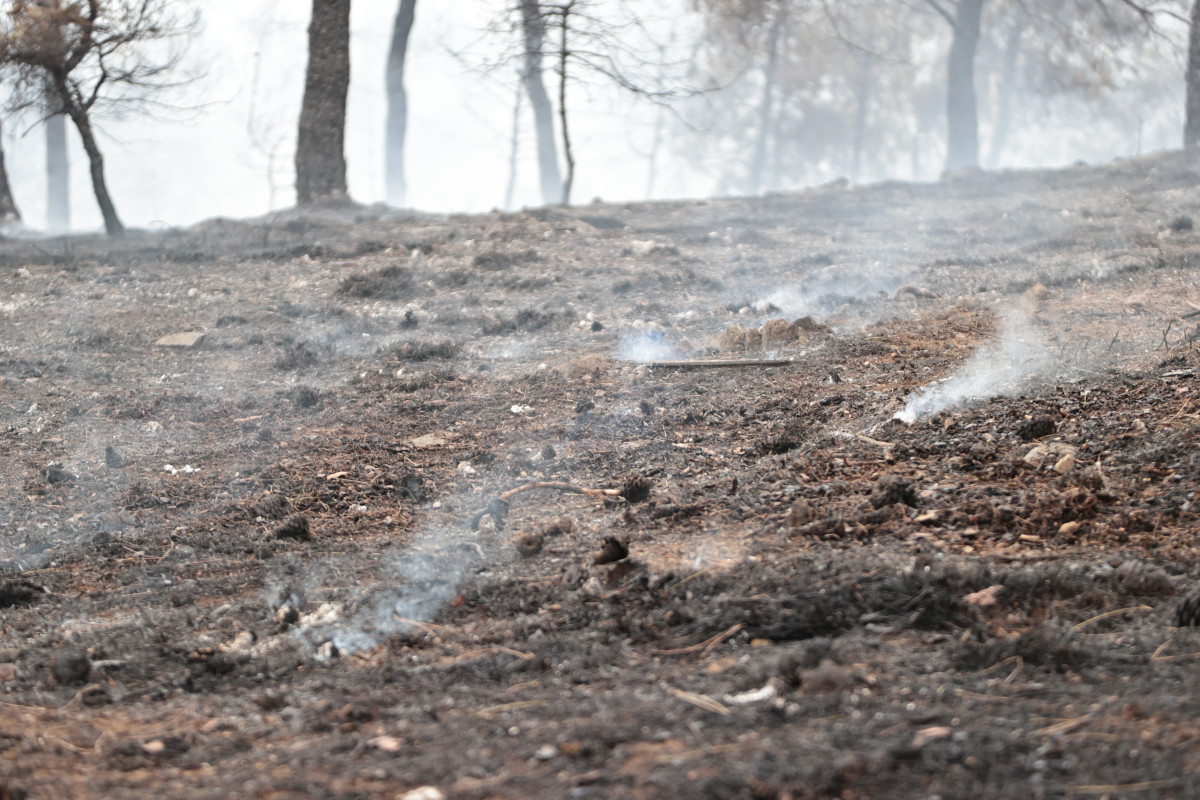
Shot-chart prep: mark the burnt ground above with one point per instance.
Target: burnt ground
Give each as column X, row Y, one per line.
column 776, row 589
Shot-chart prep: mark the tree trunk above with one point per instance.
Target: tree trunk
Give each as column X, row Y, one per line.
column 533, row 25
column 513, row 150
column 1008, row 83
column 759, row 159
column 79, row 116
column 8, row 207
column 397, row 113
column 962, row 116
column 1191, row 128
column 563, row 53
column 58, row 174
column 320, row 147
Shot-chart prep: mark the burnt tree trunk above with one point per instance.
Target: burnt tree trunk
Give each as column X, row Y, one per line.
column 962, row 115
column 8, row 207
column 1008, row 83
column 563, row 55
column 758, row 160
column 58, row 175
column 1191, row 128
column 320, row 147
column 533, row 26
column 397, row 111
column 78, row 112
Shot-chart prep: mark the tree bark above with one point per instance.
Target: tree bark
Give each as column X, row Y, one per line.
column 563, row 54
column 397, row 113
column 320, row 147
column 79, row 116
column 962, row 115
column 1191, row 128
column 758, row 160
column 1008, row 83
column 8, row 207
column 533, row 25
column 58, row 174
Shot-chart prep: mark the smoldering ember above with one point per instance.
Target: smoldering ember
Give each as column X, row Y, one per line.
column 881, row 491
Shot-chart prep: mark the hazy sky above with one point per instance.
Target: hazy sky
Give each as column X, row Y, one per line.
column 250, row 58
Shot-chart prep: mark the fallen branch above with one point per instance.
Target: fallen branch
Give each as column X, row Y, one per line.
column 717, row 363
column 707, row 645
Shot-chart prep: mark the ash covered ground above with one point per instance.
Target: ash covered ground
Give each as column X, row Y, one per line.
column 446, row 505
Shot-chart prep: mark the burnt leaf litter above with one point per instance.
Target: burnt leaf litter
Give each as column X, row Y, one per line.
column 430, row 505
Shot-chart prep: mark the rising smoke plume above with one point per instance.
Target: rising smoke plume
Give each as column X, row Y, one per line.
column 1001, row 366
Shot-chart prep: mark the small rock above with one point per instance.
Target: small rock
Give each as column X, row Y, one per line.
column 1069, row 528
column 423, row 793
column 546, row 752
column 388, row 744
column 184, row 339
column 1065, row 464
column 70, row 666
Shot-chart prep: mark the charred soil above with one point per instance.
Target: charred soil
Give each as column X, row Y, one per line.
column 612, row 501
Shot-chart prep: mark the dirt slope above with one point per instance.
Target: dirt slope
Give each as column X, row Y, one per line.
column 287, row 560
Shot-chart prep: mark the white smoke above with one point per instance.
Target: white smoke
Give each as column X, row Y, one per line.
column 1001, row 366
column 649, row 346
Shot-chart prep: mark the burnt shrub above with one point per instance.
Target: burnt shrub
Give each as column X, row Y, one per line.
column 390, row 283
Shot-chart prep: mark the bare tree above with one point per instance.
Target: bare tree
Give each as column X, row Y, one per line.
column 58, row 169
column 8, row 206
column 1191, row 128
column 397, row 113
column 533, row 31
column 962, row 114
column 778, row 15
column 320, row 147
column 93, row 54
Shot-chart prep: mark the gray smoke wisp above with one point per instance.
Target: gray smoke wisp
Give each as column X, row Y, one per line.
column 416, row 583
column 1000, row 367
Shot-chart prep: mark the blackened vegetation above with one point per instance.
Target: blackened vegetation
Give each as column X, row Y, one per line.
column 294, row 527
column 1036, row 428
column 392, row 282
column 637, row 489
column 527, row 319
column 891, row 489
column 16, row 592
column 496, row 260
column 423, row 350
